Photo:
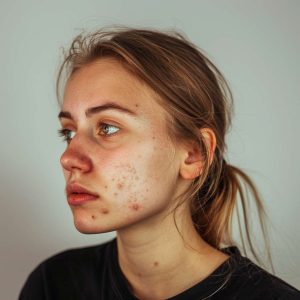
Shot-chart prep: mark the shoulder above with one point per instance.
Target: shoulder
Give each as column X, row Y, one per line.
column 250, row 281
column 62, row 270
column 77, row 257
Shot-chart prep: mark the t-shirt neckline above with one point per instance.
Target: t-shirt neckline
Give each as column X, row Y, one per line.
column 207, row 287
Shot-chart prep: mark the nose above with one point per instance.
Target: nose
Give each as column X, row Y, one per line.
column 74, row 159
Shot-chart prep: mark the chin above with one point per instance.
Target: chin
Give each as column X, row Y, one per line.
column 89, row 224
column 89, row 227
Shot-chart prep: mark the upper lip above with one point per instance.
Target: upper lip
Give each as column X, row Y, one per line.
column 75, row 188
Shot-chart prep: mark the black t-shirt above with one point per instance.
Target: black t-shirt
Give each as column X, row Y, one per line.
column 94, row 273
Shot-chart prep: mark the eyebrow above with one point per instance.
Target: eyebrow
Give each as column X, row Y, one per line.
column 97, row 109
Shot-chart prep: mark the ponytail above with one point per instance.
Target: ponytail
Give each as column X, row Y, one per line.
column 212, row 214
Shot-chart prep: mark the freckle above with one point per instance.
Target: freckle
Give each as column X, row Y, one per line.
column 116, row 194
column 139, row 274
column 155, row 264
column 93, row 217
column 136, row 177
column 153, row 138
column 147, row 190
column 106, row 186
column 136, row 105
column 113, row 179
column 104, row 211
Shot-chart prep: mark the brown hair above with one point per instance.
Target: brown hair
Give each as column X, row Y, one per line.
column 196, row 95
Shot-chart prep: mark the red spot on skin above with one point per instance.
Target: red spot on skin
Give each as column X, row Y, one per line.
column 135, row 206
column 120, row 185
column 155, row 263
column 104, row 211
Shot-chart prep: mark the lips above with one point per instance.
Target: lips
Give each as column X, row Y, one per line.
column 78, row 195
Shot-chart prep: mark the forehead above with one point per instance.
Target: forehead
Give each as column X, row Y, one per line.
column 106, row 80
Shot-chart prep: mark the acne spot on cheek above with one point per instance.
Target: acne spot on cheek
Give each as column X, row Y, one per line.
column 120, row 185
column 134, row 206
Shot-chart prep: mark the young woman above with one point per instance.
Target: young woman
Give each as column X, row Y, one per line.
column 144, row 115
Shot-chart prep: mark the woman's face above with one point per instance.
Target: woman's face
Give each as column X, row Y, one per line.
column 118, row 149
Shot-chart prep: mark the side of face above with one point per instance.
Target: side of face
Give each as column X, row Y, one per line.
column 126, row 159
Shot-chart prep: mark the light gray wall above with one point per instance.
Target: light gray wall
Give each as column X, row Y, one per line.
column 255, row 44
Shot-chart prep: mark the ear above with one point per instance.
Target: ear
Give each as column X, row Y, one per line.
column 192, row 158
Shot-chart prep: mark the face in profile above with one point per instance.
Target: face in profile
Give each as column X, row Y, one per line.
column 120, row 166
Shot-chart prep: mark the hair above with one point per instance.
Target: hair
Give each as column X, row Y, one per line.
column 195, row 95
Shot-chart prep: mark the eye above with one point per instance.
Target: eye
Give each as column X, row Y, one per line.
column 107, row 129
column 67, row 134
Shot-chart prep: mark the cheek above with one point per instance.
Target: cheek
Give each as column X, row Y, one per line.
column 145, row 181
column 130, row 185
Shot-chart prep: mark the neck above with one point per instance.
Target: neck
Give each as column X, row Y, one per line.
column 157, row 257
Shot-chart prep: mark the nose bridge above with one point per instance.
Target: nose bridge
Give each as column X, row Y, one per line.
column 76, row 156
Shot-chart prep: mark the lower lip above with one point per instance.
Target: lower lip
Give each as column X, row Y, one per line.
column 78, row 199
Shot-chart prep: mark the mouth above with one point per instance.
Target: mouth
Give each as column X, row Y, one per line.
column 78, row 195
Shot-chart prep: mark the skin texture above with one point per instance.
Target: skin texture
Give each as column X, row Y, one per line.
column 138, row 173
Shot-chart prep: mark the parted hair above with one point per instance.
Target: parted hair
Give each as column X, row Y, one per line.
column 195, row 95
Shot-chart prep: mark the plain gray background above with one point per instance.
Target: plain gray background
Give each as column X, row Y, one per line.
column 254, row 43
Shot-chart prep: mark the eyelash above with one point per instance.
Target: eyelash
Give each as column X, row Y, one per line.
column 63, row 132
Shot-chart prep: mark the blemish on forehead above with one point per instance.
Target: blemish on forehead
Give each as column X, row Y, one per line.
column 136, row 105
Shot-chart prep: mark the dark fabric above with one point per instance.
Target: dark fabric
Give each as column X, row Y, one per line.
column 94, row 273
